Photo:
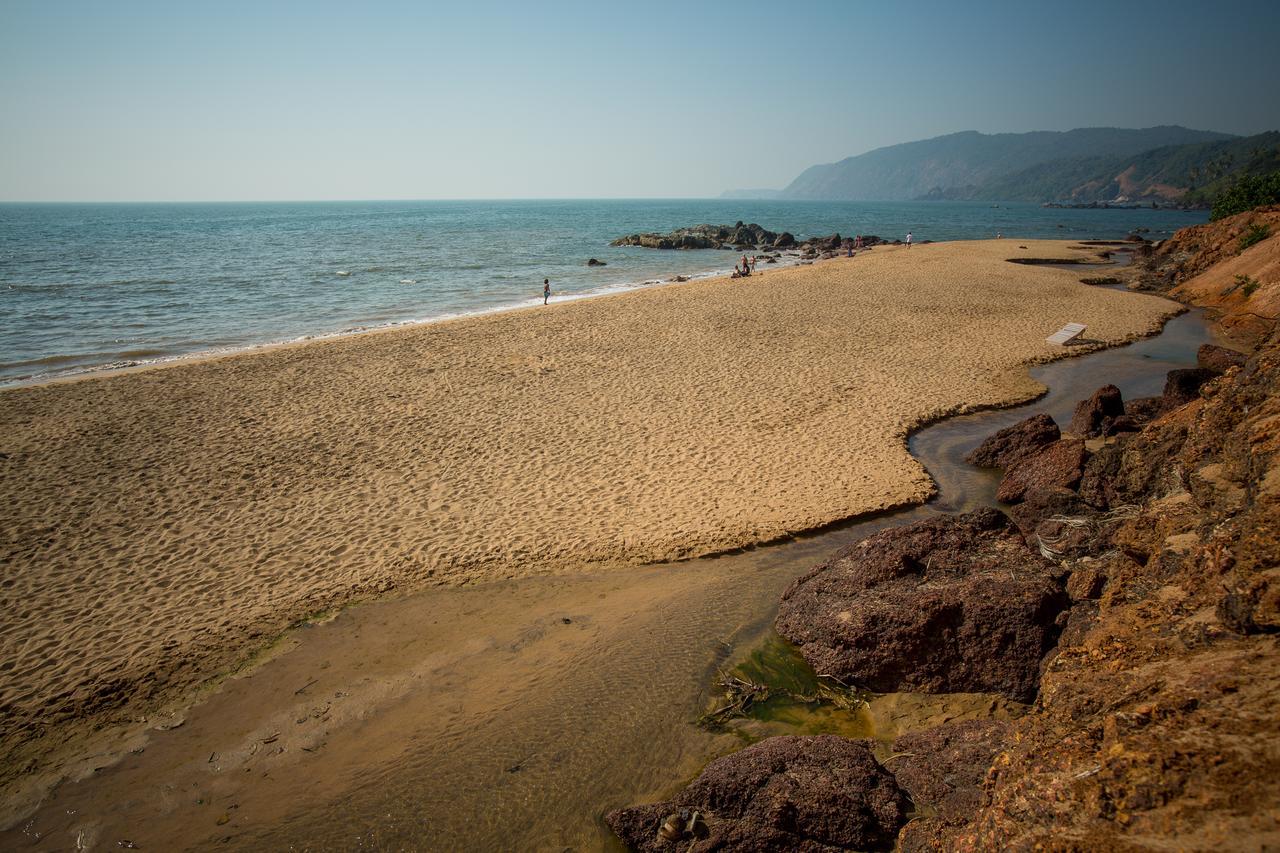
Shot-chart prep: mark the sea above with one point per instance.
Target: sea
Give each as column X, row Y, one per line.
column 89, row 287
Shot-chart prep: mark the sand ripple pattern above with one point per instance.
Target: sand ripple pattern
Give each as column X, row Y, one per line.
column 159, row 524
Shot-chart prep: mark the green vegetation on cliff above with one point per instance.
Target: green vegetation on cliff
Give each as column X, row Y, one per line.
column 1247, row 192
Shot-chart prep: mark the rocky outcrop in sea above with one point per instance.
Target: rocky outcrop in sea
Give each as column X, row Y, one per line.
column 742, row 238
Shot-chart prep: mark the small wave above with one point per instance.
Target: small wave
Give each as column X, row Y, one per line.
column 408, row 281
column 148, row 282
column 343, row 272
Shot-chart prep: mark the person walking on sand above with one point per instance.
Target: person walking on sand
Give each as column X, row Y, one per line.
column 908, row 239
column 546, row 290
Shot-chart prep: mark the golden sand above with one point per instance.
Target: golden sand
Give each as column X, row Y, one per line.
column 160, row 524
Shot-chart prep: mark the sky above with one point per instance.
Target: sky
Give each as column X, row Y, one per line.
column 142, row 101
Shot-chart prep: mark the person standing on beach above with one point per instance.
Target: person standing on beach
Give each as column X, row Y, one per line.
column 908, row 239
column 546, row 290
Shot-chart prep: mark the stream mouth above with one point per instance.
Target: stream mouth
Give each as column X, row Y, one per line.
column 515, row 715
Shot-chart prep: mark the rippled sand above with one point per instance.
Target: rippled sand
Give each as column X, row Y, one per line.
column 161, row 524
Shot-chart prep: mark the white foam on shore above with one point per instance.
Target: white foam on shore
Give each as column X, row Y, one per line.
column 785, row 260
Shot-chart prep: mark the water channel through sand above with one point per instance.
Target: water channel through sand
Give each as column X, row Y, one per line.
column 514, row 715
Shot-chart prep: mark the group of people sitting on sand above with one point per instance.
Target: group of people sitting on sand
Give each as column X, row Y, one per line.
column 856, row 246
column 747, row 267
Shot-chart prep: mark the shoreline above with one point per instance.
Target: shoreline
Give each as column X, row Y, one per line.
column 234, row 351
column 197, row 513
column 789, row 260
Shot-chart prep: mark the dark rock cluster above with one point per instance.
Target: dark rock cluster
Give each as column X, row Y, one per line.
column 741, row 237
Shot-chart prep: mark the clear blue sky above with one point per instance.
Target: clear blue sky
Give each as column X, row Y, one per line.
column 118, row 100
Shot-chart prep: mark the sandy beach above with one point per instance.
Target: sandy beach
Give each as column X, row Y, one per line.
column 162, row 525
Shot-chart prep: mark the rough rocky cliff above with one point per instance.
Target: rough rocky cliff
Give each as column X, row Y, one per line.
column 1230, row 267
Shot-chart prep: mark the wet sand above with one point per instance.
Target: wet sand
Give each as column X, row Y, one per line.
column 160, row 525
column 478, row 718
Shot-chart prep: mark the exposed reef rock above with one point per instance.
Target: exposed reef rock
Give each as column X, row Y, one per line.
column 809, row 794
column 952, row 604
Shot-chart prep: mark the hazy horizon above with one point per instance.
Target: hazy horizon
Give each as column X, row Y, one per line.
column 395, row 101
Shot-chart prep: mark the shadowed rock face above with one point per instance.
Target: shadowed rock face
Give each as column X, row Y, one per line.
column 953, row 604
column 1183, row 386
column 812, row 794
column 1010, row 444
column 1092, row 416
column 1219, row 359
column 1056, row 466
column 943, row 768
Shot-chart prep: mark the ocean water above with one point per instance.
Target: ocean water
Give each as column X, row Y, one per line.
column 92, row 286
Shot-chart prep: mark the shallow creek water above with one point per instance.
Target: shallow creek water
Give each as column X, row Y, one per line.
column 513, row 716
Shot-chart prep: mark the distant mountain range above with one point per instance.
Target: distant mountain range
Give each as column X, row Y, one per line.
column 1163, row 164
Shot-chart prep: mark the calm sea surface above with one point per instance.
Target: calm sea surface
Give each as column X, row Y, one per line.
column 87, row 286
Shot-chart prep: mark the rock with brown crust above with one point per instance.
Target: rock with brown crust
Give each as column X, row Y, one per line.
column 1055, row 466
column 944, row 768
column 952, row 604
column 1092, row 416
column 809, row 794
column 1003, row 448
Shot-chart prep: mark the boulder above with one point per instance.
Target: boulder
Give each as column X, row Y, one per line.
column 950, row 604
column 595, row 263
column 1003, row 448
column 785, row 240
column 1219, row 359
column 1092, row 416
column 1183, row 386
column 1057, row 465
column 821, row 793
